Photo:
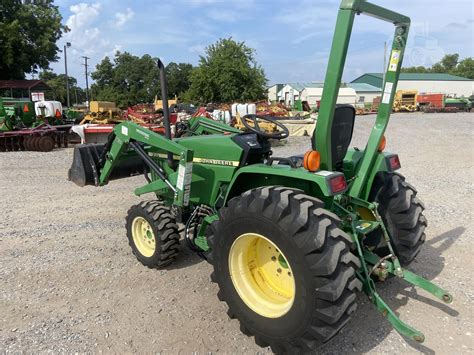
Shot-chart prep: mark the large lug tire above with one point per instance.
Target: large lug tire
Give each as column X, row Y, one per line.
column 152, row 233
column 402, row 212
column 276, row 233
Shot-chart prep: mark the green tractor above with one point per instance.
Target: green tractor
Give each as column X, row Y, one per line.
column 292, row 240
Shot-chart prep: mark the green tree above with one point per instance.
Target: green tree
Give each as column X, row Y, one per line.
column 127, row 80
column 178, row 76
column 419, row 69
column 228, row 72
column 28, row 34
column 465, row 68
column 449, row 64
column 58, row 86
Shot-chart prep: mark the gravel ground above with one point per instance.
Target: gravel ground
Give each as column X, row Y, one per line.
column 69, row 282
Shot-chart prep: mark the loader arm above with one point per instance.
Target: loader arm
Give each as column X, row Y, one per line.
column 130, row 150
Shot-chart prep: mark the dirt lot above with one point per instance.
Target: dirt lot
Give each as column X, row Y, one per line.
column 70, row 283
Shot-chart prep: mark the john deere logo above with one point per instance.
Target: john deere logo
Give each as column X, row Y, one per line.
column 216, row 161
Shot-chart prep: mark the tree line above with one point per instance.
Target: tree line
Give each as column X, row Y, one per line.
column 449, row 64
column 227, row 72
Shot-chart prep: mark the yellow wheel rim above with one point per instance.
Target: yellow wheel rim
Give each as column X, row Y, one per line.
column 143, row 236
column 261, row 275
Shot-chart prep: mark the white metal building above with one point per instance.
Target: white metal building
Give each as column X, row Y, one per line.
column 366, row 93
column 425, row 83
column 272, row 92
column 293, row 91
column 313, row 95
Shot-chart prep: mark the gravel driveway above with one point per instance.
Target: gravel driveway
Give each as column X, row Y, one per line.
column 69, row 282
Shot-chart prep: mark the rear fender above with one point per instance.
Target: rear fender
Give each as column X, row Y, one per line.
column 352, row 162
column 258, row 175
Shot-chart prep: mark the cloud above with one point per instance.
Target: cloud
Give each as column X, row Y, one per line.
column 313, row 16
column 121, row 18
column 88, row 36
column 86, row 39
column 222, row 15
column 457, row 26
column 111, row 53
column 83, row 15
column 198, row 49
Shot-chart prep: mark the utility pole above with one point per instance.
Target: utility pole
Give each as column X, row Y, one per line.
column 384, row 60
column 68, row 44
column 87, row 80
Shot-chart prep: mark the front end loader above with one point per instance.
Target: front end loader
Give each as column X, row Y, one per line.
column 291, row 240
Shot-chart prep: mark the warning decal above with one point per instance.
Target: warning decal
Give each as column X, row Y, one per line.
column 387, row 92
column 394, row 59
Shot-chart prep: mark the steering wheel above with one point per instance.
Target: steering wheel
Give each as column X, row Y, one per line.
column 279, row 134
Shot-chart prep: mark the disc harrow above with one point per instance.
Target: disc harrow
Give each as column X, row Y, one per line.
column 43, row 138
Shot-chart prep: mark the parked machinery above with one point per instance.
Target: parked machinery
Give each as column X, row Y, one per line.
column 291, row 240
column 405, row 101
column 22, row 129
column 436, row 102
column 102, row 112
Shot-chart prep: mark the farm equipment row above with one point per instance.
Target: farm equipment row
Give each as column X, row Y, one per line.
column 43, row 138
column 25, row 125
column 411, row 101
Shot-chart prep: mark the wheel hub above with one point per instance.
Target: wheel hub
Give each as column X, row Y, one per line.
column 261, row 275
column 143, row 236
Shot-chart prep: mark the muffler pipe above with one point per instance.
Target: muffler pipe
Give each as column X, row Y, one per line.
column 166, row 109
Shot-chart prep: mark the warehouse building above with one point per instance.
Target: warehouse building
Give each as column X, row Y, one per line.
column 272, row 92
column 313, row 96
column 365, row 93
column 291, row 92
column 448, row 84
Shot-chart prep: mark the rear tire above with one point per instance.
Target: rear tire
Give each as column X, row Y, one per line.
column 152, row 234
column 402, row 212
column 314, row 249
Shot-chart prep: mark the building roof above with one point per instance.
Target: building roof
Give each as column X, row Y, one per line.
column 420, row 77
column 302, row 86
column 319, row 91
column 24, row 84
column 363, row 87
column 278, row 86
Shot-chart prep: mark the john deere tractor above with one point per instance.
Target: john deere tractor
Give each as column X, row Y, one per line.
column 291, row 240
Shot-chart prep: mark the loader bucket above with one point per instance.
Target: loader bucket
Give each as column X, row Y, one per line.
column 85, row 168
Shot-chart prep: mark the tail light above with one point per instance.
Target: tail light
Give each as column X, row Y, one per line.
column 393, row 162
column 337, row 184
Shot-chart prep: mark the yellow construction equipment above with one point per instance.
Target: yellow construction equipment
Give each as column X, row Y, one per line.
column 102, row 112
column 266, row 126
column 159, row 103
column 405, row 100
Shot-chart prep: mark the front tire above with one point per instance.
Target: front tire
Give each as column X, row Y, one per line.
column 152, row 234
column 284, row 268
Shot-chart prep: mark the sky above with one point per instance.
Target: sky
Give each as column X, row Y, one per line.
column 292, row 38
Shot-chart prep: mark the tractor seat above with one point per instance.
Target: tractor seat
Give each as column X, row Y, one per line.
column 341, row 136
